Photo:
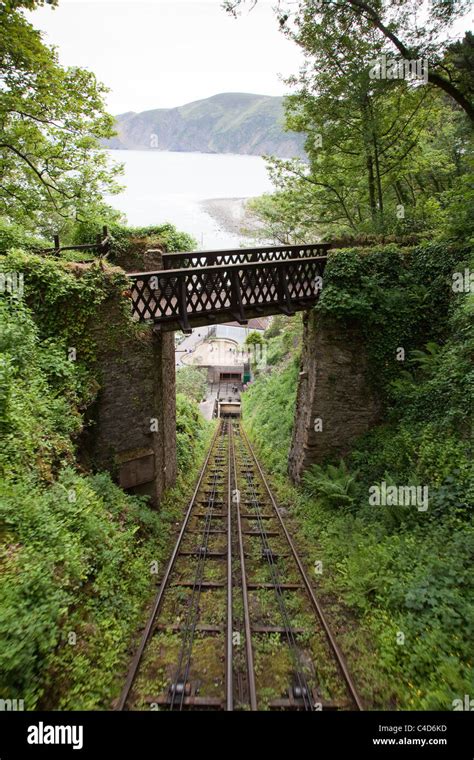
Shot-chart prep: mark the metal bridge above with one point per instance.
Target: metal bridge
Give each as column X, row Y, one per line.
column 204, row 287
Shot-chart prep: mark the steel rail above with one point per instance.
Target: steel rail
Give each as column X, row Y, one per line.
column 317, row 607
column 275, row 575
column 193, row 604
column 244, row 471
column 132, row 672
column 230, row 627
column 248, row 631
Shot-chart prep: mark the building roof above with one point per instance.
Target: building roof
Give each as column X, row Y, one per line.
column 260, row 323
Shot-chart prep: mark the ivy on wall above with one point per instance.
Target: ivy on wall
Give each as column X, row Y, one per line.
column 401, row 299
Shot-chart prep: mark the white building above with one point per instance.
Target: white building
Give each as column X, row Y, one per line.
column 234, row 331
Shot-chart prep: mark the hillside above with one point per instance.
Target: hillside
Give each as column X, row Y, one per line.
column 400, row 575
column 225, row 123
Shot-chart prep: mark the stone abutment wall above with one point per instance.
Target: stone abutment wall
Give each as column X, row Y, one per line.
column 133, row 431
column 335, row 401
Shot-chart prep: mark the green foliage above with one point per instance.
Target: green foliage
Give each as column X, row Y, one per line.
column 401, row 299
column 276, row 326
column 384, row 156
column 189, row 427
column 282, row 216
column 397, row 569
column 15, row 236
column 75, row 558
column 275, row 390
column 64, row 299
column 54, row 548
column 260, row 402
column 52, row 119
column 68, row 547
column 333, row 485
column 287, row 339
column 75, row 550
column 36, row 420
column 458, row 219
column 254, row 338
column 460, row 58
column 191, row 382
column 134, row 239
column 426, row 359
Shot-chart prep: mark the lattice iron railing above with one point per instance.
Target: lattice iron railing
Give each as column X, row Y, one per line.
column 179, row 298
column 243, row 255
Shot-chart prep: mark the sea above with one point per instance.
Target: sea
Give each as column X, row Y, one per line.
column 182, row 188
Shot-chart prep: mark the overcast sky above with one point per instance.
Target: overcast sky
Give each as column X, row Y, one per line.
column 164, row 53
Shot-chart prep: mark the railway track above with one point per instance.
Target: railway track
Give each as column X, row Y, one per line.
column 235, row 624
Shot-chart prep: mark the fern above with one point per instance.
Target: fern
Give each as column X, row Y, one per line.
column 426, row 360
column 334, row 485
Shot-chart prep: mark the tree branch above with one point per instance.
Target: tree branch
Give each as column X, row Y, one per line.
column 436, row 79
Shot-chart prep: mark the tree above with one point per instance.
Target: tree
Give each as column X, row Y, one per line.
column 382, row 152
column 51, row 120
column 413, row 29
column 254, row 339
column 282, row 217
column 191, row 382
column 460, row 59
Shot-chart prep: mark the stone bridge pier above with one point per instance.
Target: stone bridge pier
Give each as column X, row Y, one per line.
column 335, row 399
column 133, row 429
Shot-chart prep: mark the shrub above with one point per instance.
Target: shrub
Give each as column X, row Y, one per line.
column 14, row 236
column 189, row 425
column 191, row 382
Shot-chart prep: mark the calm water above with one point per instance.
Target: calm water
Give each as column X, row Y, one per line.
column 163, row 186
